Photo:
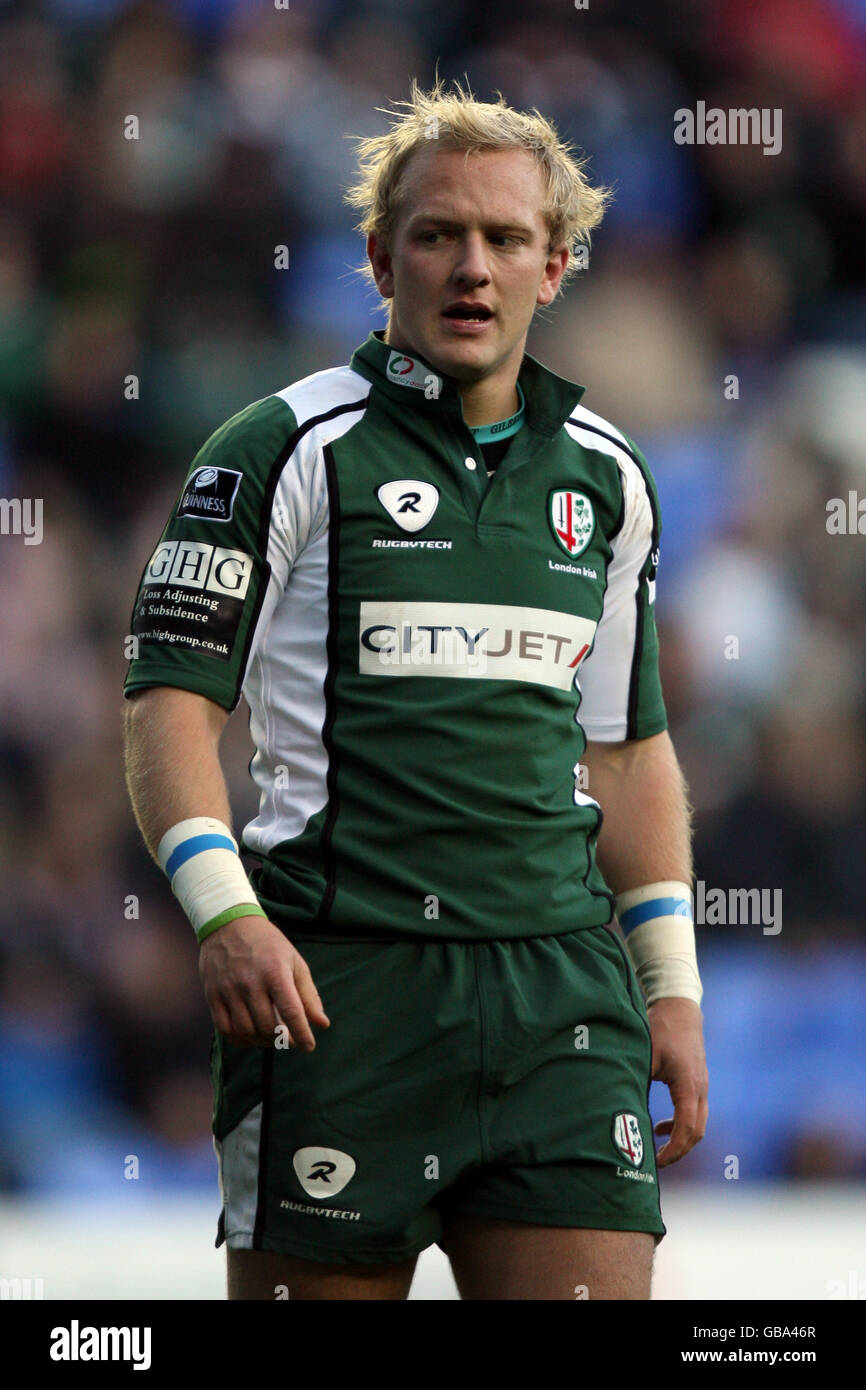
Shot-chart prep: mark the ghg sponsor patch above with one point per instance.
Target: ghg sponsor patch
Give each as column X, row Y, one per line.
column 192, row 596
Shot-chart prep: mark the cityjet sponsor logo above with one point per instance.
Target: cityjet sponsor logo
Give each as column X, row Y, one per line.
column 76, row 1343
column 758, row 907
column 488, row 640
column 210, row 493
column 193, row 565
column 407, row 372
column 737, row 126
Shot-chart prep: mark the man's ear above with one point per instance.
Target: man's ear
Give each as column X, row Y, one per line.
column 380, row 260
column 557, row 260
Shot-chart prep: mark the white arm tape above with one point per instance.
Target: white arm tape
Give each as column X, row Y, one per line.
column 200, row 856
column 659, row 934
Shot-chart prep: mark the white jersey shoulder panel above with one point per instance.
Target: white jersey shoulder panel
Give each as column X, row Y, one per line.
column 285, row 678
column 606, row 675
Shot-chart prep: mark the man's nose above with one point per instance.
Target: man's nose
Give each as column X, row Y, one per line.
column 472, row 265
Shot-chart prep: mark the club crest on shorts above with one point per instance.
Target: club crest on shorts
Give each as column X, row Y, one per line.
column 626, row 1134
column 323, row 1173
column 572, row 521
column 409, row 502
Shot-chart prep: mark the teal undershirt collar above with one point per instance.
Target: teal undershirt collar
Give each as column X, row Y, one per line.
column 502, row 429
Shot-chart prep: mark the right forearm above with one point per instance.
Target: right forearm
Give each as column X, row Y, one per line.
column 172, row 763
column 255, row 981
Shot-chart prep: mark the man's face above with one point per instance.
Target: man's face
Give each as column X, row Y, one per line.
column 469, row 238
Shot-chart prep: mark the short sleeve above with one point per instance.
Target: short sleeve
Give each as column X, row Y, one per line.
column 621, row 693
column 204, row 587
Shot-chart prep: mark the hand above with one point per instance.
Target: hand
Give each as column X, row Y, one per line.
column 254, row 980
column 679, row 1061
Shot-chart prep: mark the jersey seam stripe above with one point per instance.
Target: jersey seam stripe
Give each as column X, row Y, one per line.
column 271, row 486
column 264, row 1140
column 640, row 617
column 285, row 455
column 591, row 860
column 582, row 425
column 329, row 864
column 631, row 718
column 483, row 1059
column 607, row 570
column 620, row 520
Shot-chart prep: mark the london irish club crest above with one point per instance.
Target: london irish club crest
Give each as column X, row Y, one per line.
column 627, row 1137
column 572, row 520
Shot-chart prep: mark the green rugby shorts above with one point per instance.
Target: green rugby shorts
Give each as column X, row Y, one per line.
column 507, row 1079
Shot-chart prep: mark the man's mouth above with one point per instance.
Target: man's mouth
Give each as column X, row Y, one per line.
column 468, row 313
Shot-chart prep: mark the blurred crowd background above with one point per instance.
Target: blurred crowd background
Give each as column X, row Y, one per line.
column 722, row 324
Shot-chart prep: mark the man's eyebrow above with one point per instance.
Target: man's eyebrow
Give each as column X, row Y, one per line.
column 452, row 225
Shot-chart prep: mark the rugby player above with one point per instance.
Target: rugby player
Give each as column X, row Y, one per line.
column 431, row 573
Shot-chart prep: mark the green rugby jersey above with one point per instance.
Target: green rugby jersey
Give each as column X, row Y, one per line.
column 424, row 652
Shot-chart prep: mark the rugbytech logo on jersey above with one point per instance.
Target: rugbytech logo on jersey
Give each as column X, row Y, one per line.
column 412, row 504
column 409, row 502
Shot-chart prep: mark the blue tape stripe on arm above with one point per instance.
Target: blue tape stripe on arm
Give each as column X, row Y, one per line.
column 194, row 845
column 657, row 907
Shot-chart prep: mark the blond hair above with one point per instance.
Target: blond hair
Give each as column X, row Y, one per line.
column 572, row 206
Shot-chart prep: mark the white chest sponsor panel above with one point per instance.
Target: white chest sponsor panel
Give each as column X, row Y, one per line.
column 479, row 640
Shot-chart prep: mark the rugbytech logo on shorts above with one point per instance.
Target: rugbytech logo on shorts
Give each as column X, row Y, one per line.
column 322, row 1173
column 490, row 641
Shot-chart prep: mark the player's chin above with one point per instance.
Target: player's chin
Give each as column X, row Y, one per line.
column 465, row 358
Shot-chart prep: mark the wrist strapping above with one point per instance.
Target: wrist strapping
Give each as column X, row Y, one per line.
column 200, row 857
column 659, row 932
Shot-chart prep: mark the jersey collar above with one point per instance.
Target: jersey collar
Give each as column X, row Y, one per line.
column 413, row 384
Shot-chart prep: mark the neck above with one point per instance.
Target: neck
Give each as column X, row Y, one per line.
column 486, row 401
column 492, row 399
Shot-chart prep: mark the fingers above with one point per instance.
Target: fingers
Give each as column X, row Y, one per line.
column 293, row 1015
column 308, row 993
column 243, row 1021
column 259, row 988
column 686, row 1129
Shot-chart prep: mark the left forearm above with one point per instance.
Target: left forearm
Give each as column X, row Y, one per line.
column 644, row 853
column 646, row 835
